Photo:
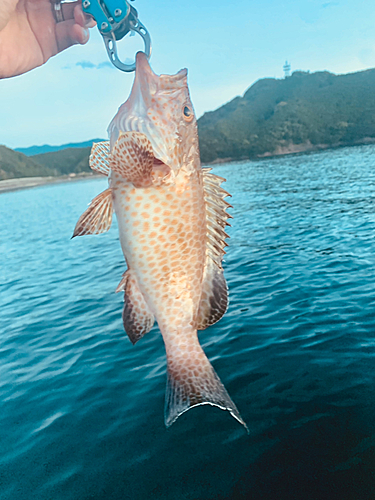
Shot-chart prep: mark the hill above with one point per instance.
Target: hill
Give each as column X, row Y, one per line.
column 14, row 164
column 47, row 148
column 304, row 111
column 66, row 161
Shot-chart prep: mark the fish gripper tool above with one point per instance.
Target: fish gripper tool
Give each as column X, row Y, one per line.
column 115, row 19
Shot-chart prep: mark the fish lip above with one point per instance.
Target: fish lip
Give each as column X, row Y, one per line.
column 142, row 64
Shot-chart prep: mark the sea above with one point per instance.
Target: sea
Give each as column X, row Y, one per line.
column 81, row 408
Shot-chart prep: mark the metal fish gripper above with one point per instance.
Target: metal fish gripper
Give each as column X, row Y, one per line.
column 115, row 19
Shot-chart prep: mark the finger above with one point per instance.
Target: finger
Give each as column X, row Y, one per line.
column 70, row 33
column 73, row 10
column 82, row 19
column 68, row 9
column 90, row 22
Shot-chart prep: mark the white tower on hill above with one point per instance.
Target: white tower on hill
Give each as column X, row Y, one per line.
column 286, row 69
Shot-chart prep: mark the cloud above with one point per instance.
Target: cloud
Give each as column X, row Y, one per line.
column 85, row 64
column 90, row 65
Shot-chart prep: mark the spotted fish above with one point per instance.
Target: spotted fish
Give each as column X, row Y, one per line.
column 171, row 216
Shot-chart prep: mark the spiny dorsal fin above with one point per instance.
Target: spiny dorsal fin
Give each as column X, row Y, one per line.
column 98, row 217
column 99, row 157
column 133, row 157
column 214, row 300
column 136, row 315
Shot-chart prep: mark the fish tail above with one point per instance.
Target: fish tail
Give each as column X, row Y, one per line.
column 192, row 381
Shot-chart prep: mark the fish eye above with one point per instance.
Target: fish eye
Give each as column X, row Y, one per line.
column 188, row 113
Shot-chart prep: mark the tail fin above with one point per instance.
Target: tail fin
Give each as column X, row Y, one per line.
column 193, row 382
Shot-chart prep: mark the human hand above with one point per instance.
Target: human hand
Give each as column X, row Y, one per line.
column 30, row 35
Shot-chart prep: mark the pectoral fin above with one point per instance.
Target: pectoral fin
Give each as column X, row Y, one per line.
column 214, row 300
column 136, row 315
column 133, row 157
column 98, row 217
column 99, row 157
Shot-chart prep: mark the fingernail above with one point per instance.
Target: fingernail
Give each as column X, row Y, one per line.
column 86, row 35
column 89, row 22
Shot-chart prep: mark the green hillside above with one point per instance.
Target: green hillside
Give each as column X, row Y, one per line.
column 301, row 112
column 14, row 164
column 66, row 161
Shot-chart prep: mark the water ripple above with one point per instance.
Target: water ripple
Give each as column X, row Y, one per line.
column 81, row 409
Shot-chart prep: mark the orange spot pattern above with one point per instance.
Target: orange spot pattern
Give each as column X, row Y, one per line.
column 167, row 255
column 167, row 259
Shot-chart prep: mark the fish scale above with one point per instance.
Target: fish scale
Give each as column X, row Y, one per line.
column 171, row 217
column 163, row 244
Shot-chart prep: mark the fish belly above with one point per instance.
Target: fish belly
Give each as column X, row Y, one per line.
column 163, row 238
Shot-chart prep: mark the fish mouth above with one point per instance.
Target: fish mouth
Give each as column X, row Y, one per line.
column 160, row 170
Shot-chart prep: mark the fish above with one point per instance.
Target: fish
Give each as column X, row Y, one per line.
column 171, row 215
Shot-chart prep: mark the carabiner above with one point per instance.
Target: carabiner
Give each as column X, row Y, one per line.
column 115, row 19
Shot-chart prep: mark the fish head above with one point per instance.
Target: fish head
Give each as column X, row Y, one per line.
column 159, row 107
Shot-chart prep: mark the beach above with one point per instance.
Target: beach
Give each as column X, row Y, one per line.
column 29, row 182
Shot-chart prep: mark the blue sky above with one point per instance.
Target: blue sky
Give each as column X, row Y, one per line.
column 226, row 47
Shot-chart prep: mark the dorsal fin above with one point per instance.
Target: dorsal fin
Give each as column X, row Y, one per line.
column 99, row 157
column 214, row 300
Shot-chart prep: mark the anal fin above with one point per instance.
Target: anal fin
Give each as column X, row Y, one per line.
column 136, row 315
column 214, row 299
column 98, row 217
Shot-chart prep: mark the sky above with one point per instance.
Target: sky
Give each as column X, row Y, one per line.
column 226, row 46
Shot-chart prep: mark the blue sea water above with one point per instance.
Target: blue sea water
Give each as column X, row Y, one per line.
column 81, row 409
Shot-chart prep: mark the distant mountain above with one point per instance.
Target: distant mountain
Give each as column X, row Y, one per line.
column 72, row 160
column 66, row 161
column 46, row 148
column 14, row 164
column 301, row 112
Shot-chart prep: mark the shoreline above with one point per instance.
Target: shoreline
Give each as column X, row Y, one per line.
column 291, row 149
column 19, row 183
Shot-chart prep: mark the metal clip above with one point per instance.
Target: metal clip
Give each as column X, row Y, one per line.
column 115, row 19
